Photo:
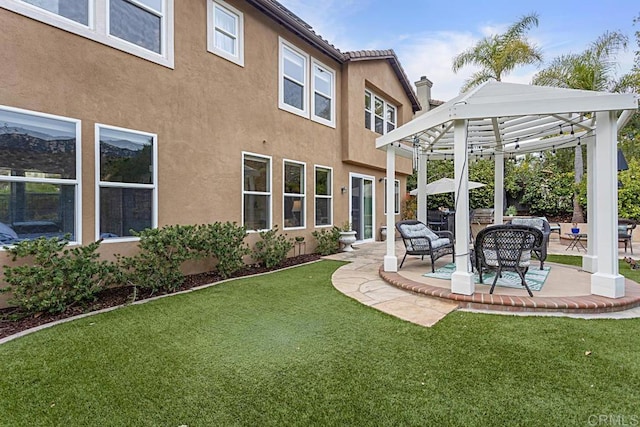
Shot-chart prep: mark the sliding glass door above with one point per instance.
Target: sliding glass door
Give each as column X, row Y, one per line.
column 361, row 206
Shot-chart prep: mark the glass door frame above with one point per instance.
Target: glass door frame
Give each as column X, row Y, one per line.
column 372, row 179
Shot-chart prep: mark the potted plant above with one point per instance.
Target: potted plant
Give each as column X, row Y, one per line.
column 347, row 237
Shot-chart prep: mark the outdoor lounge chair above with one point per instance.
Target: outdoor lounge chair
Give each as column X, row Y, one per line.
column 625, row 230
column 543, row 225
column 506, row 247
column 420, row 240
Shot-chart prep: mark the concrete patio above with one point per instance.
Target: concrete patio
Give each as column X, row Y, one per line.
column 424, row 301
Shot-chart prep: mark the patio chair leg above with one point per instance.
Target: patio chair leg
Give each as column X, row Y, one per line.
column 495, row 280
column 524, row 282
column 405, row 257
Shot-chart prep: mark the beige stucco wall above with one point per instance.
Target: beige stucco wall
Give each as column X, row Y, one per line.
column 206, row 112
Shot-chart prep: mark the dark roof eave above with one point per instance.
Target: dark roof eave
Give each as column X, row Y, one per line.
column 397, row 68
column 299, row 27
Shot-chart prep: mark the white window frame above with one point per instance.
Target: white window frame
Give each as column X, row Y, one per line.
column 322, row 196
column 396, row 196
column 372, row 111
column 332, row 96
column 260, row 193
column 301, row 195
column 77, row 182
column 98, row 28
column 109, row 184
column 304, row 112
column 212, row 7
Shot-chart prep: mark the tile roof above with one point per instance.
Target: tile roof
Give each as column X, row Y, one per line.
column 392, row 58
column 292, row 22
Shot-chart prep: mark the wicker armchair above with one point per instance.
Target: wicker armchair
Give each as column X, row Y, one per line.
column 420, row 240
column 506, row 247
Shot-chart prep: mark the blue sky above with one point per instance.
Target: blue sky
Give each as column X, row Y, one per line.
column 427, row 34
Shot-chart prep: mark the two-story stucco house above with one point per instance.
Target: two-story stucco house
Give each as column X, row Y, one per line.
column 118, row 115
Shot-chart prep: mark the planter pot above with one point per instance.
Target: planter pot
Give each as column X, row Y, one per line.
column 575, row 230
column 347, row 238
column 383, row 233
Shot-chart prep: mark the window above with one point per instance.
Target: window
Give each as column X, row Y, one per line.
column 225, row 26
column 140, row 27
column 323, row 196
column 323, row 106
column 39, row 176
column 127, row 189
column 293, row 80
column 294, row 195
column 396, row 197
column 379, row 115
column 256, row 189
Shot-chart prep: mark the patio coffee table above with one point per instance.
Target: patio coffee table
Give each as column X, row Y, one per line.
column 575, row 241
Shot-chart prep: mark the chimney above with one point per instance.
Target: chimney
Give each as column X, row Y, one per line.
column 423, row 89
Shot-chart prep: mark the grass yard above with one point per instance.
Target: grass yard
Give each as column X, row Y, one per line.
column 288, row 349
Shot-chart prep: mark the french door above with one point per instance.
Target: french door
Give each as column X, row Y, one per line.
column 362, row 206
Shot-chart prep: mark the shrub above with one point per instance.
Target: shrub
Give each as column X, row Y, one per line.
column 162, row 252
column 223, row 241
column 327, row 241
column 273, row 248
column 57, row 278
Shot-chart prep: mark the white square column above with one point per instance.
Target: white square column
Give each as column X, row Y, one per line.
column 462, row 277
column 390, row 259
column 590, row 260
column 421, row 213
column 498, row 182
column 606, row 281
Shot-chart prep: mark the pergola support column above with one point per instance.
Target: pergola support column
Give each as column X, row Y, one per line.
column 422, row 187
column 498, row 182
column 606, row 281
column 390, row 259
column 590, row 260
column 462, row 278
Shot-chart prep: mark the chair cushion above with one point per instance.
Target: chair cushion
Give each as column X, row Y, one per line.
column 491, row 258
column 440, row 242
column 7, row 234
column 531, row 222
column 418, row 230
column 623, row 231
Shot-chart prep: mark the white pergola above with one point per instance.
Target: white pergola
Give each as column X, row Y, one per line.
column 501, row 120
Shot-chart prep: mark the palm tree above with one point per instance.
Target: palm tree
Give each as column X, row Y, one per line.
column 499, row 54
column 589, row 70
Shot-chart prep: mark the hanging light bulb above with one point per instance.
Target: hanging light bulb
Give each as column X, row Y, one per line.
column 554, row 149
column 517, row 143
column 572, row 132
column 579, row 142
column 560, row 129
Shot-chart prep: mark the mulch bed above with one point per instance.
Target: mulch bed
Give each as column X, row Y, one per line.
column 123, row 295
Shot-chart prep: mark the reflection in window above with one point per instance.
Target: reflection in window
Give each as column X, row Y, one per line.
column 323, row 93
column 294, row 192
column 76, row 10
column 135, row 24
column 38, row 170
column 323, row 196
column 293, row 80
column 127, row 187
column 256, row 176
column 379, row 115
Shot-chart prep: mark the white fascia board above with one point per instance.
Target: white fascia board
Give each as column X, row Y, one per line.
column 607, row 102
column 419, row 124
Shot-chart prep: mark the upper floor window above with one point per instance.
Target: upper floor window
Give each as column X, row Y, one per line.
column 127, row 190
column 323, row 106
column 256, row 189
column 225, row 31
column 140, row 27
column 294, row 195
column 39, row 176
column 293, row 80
column 379, row 115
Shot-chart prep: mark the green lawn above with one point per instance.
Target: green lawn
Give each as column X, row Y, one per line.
column 288, row 349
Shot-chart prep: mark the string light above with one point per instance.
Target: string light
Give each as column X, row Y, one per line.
column 517, row 143
column 554, row 149
column 579, row 142
column 572, row 133
column 560, row 129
